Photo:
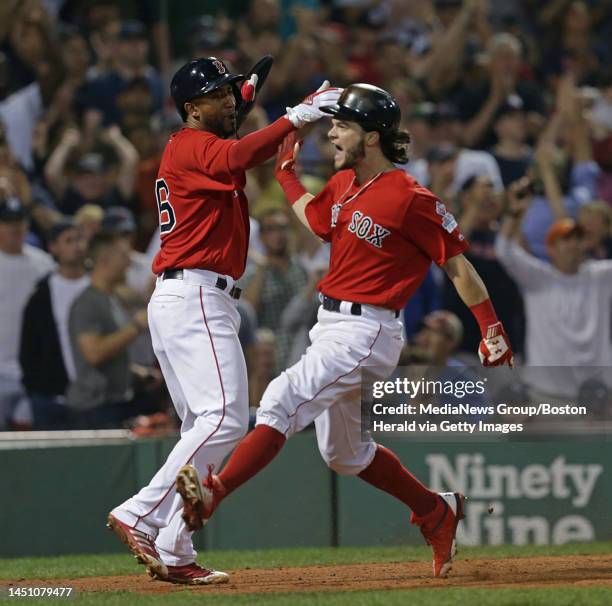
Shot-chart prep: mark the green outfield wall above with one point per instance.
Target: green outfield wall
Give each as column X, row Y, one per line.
column 55, row 500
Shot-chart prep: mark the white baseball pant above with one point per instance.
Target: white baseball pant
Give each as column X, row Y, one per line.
column 325, row 385
column 194, row 329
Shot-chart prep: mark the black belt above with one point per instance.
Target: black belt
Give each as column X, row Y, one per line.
column 330, row 304
column 221, row 283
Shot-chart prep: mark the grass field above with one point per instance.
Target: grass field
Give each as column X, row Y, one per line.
column 21, row 571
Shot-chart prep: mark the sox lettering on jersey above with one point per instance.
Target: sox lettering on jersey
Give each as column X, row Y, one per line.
column 363, row 227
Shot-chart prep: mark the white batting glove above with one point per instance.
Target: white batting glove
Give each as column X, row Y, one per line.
column 309, row 110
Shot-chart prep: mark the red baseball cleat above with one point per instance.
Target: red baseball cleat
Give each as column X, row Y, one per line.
column 439, row 528
column 140, row 544
column 200, row 499
column 193, row 574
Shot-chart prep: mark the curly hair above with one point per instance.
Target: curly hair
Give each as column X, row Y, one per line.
column 394, row 145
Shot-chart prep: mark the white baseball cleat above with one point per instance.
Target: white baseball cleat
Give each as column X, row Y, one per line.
column 193, row 574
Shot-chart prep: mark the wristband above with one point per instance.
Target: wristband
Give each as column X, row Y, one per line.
column 485, row 315
column 291, row 185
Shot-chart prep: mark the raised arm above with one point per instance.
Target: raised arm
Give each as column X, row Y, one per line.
column 262, row 144
column 55, row 168
column 128, row 160
column 288, row 179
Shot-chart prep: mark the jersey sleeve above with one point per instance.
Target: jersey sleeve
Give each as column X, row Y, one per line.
column 226, row 160
column 319, row 209
column 212, row 158
column 433, row 229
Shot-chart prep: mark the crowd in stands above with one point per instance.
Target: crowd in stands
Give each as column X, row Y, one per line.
column 509, row 106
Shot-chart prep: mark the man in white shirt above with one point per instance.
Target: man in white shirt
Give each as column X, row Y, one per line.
column 45, row 354
column 21, row 267
column 567, row 302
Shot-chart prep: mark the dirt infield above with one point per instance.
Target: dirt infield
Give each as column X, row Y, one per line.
column 507, row 572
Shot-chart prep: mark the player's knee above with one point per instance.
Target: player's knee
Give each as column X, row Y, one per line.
column 272, row 412
column 345, row 468
column 342, row 465
column 349, row 463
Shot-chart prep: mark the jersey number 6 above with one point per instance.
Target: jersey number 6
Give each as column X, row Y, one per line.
column 162, row 195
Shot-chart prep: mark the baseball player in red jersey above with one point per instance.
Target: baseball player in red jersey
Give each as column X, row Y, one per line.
column 192, row 313
column 385, row 230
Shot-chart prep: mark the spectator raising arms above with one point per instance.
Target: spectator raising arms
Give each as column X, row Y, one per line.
column 567, row 302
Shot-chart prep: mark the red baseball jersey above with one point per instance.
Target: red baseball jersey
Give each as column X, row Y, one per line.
column 203, row 212
column 384, row 235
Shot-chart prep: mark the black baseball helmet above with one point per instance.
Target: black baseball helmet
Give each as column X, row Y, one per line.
column 199, row 77
column 371, row 107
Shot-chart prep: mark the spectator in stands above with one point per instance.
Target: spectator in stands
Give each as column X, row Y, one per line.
column 511, row 151
column 480, row 101
column 571, row 44
column 439, row 336
column 21, row 267
column 446, row 148
column 418, row 123
column 32, row 73
column 14, row 181
column 563, row 180
column 130, row 62
column 567, row 301
column 88, row 220
column 273, row 279
column 45, row 353
column 102, row 395
column 94, row 180
column 595, row 219
column 103, row 40
column 449, row 36
column 139, row 278
column 134, row 293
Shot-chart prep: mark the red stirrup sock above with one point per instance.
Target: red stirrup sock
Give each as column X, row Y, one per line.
column 387, row 473
column 251, row 456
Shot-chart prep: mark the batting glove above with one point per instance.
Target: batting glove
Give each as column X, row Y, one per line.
column 309, row 110
column 494, row 349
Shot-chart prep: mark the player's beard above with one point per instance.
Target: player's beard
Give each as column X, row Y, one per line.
column 222, row 126
column 352, row 155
